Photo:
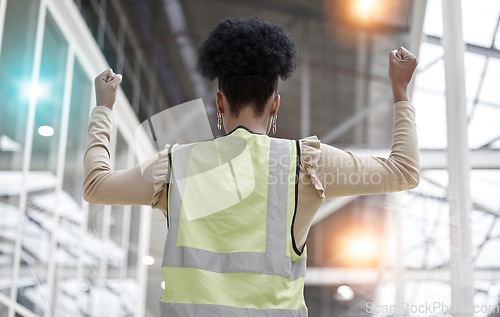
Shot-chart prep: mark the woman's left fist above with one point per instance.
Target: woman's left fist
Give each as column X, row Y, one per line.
column 106, row 86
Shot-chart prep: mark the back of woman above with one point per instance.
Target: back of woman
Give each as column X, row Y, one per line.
column 239, row 207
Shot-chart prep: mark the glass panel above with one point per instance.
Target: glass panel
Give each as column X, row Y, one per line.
column 431, row 77
column 70, row 201
column 134, row 240
column 93, row 247
column 479, row 21
column 497, row 41
column 121, row 152
column 485, row 186
column 16, row 61
column 69, row 298
column 117, row 264
column 431, row 119
column 116, row 223
column 489, row 93
column 484, row 128
column 49, row 108
column 42, row 200
column 496, row 145
column 127, row 80
column 90, row 16
column 113, row 19
column 77, row 133
column 117, row 286
column 121, row 155
column 433, row 24
column 474, row 65
column 109, row 50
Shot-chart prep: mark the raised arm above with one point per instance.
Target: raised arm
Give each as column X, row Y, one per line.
column 345, row 173
column 102, row 185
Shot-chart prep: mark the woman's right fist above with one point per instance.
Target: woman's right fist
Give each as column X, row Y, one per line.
column 402, row 64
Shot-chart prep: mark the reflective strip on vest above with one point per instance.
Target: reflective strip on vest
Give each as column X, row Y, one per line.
column 203, row 280
column 183, row 310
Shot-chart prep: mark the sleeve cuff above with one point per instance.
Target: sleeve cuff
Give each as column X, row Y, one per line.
column 309, row 158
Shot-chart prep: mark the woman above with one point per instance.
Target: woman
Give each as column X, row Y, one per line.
column 239, row 208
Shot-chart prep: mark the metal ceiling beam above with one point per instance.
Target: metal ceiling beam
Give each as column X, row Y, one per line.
column 437, row 159
column 322, row 276
column 475, row 205
column 483, row 75
column 489, row 143
column 459, row 200
column 479, row 159
column 471, row 48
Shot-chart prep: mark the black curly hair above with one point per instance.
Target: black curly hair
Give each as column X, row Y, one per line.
column 247, row 56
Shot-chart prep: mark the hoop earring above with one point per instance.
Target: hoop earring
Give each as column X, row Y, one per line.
column 274, row 119
column 219, row 120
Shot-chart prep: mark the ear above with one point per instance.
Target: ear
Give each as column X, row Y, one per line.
column 276, row 105
column 219, row 100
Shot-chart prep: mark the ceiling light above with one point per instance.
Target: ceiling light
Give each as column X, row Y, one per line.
column 148, row 260
column 46, row 130
column 344, row 293
column 365, row 8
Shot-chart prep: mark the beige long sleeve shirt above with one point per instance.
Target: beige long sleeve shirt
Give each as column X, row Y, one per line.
column 325, row 171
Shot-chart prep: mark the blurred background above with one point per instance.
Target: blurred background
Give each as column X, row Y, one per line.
column 383, row 255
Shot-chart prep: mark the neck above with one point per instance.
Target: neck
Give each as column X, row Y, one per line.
column 247, row 118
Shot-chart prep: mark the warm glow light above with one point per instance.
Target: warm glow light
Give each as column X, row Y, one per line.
column 46, row 130
column 344, row 293
column 363, row 247
column 364, row 8
column 148, row 260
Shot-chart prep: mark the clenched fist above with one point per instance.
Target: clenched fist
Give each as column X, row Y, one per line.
column 106, row 86
column 402, row 64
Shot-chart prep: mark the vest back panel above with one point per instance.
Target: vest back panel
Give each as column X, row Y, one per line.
column 231, row 204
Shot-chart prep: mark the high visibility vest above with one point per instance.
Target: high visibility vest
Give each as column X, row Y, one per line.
column 230, row 249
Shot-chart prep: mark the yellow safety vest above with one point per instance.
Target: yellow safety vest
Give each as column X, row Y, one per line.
column 230, row 249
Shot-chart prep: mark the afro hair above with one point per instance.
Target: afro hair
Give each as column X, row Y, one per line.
column 247, row 56
column 247, row 47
